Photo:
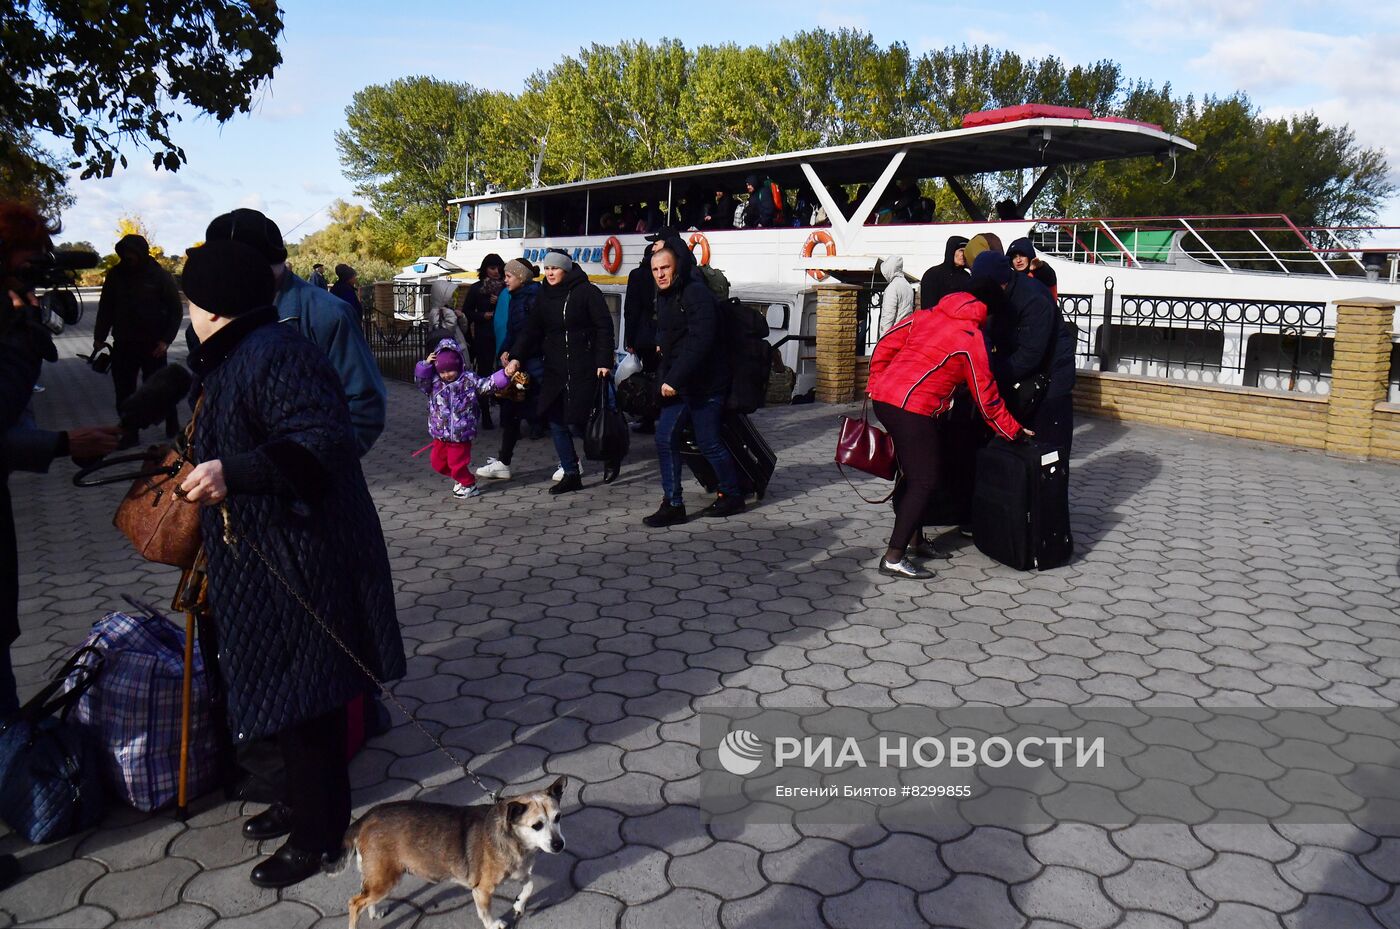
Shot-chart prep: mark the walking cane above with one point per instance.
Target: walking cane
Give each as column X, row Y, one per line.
column 191, row 599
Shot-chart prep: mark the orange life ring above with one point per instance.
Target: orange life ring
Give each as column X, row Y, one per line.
column 612, row 255
column 704, row 243
column 820, row 237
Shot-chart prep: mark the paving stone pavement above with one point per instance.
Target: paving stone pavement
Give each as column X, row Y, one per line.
column 559, row 636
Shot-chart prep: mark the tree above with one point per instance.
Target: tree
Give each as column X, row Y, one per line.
column 352, row 237
column 31, row 174
column 104, row 75
column 412, row 145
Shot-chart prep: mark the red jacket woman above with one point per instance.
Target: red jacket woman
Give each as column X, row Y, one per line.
column 913, row 372
column 919, row 363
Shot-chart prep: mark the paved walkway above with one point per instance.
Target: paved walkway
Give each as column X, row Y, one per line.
column 561, row 637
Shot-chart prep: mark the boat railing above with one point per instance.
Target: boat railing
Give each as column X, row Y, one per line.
column 1249, row 242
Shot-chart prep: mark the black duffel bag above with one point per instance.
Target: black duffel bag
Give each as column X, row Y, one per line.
column 640, row 396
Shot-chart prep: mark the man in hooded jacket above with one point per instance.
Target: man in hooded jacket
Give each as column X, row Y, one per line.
column 898, row 298
column 761, row 211
column 950, row 277
column 639, row 315
column 140, row 308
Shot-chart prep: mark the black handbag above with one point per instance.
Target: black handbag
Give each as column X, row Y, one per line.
column 606, row 437
column 50, row 780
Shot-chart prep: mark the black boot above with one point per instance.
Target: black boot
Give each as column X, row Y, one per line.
column 569, row 482
column 287, row 866
column 611, row 470
column 666, row 515
column 272, row 823
column 724, row 505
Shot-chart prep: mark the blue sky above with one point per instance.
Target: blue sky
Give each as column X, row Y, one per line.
column 282, row 158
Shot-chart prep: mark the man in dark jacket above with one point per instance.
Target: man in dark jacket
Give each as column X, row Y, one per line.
column 694, row 375
column 950, row 277
column 324, row 319
column 300, row 593
column 571, row 327
column 639, row 315
column 720, row 213
column 318, row 277
column 1031, row 346
column 140, row 308
column 761, row 211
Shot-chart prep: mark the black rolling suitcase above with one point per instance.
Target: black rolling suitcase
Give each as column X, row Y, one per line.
column 1021, row 505
column 753, row 458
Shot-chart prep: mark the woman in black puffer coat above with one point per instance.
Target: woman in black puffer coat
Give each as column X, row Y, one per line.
column 278, row 470
column 571, row 327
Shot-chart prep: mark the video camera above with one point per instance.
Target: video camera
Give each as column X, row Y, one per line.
column 57, row 273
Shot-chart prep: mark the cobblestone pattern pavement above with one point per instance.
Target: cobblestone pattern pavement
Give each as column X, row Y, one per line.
column 559, row 636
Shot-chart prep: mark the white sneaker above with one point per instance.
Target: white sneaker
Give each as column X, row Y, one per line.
column 463, row 491
column 559, row 472
column 493, row 468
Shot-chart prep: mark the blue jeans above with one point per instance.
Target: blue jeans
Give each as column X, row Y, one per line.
column 563, row 437
column 705, row 416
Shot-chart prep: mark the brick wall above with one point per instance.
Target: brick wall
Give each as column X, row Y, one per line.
column 1234, row 411
column 1385, row 431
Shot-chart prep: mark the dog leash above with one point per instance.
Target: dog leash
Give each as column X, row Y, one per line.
column 232, row 539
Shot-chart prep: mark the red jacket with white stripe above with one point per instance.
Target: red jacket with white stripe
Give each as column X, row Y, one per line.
column 922, row 360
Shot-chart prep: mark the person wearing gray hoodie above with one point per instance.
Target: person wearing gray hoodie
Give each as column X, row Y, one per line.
column 898, row 300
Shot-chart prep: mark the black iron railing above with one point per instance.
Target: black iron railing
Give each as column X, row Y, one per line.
column 397, row 344
column 1251, row 343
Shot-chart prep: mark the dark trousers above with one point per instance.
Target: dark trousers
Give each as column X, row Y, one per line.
column 318, row 781
column 512, row 415
column 128, row 361
column 917, row 445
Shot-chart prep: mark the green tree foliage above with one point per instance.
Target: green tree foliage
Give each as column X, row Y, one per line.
column 637, row 106
column 31, row 174
column 352, row 237
column 104, row 75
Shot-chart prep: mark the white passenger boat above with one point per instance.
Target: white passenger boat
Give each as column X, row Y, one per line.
column 1233, row 300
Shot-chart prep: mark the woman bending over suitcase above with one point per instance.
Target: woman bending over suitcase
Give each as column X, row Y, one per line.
column 913, row 372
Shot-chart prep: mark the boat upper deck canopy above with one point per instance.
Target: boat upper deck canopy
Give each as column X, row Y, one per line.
column 1036, row 142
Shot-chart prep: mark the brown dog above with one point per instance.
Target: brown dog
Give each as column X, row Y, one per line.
column 475, row 846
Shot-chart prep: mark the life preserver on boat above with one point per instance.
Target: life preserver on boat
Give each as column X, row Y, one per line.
column 612, row 255
column 820, row 237
column 704, row 243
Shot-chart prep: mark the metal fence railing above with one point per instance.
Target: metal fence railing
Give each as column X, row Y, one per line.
column 397, row 345
column 1270, row 345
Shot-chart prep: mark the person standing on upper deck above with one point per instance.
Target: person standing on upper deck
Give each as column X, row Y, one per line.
column 761, row 211
column 720, row 213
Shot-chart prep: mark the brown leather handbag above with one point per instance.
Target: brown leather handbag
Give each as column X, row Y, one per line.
column 154, row 515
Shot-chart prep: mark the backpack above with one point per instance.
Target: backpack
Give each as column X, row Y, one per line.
column 744, row 332
column 716, row 280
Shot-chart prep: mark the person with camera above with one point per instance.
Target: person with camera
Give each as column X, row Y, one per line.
column 300, row 593
column 140, row 309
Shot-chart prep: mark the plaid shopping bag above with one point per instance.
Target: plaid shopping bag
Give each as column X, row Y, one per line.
column 134, row 710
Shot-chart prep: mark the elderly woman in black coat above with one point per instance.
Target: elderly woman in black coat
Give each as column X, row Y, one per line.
column 287, row 518
column 570, row 325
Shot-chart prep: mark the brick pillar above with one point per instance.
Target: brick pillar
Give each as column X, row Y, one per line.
column 1360, row 370
column 836, row 342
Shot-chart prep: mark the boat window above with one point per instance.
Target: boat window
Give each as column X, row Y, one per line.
column 513, row 219
column 464, row 224
column 488, row 221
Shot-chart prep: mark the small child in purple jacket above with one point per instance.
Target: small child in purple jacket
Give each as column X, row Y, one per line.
column 452, row 412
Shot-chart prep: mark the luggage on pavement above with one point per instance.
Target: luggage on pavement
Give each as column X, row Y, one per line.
column 50, row 779
column 606, row 437
column 133, row 711
column 753, row 459
column 1021, row 505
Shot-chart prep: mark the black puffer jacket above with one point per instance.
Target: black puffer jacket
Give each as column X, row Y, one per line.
column 571, row 327
column 140, row 304
column 19, row 369
column 693, row 359
column 274, row 413
column 639, row 306
column 1024, row 331
column 946, row 278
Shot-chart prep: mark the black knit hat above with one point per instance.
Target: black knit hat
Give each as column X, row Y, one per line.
column 251, row 228
column 227, row 278
column 344, row 272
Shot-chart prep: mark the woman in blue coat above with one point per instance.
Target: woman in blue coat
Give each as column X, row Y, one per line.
column 287, row 518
